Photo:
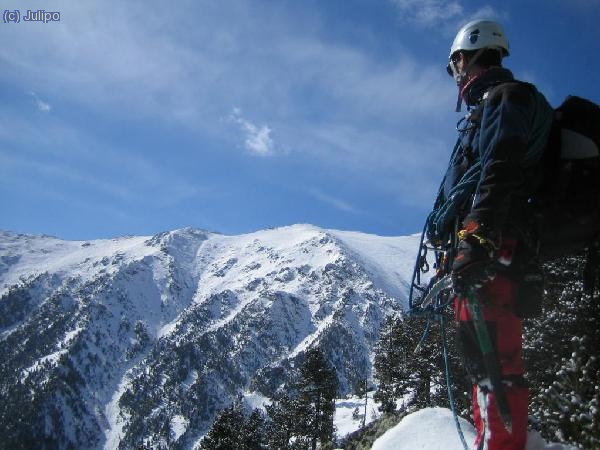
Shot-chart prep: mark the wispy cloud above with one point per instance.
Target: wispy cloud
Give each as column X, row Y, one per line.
column 337, row 203
column 196, row 74
column 40, row 104
column 448, row 15
column 82, row 163
column 328, row 102
column 429, row 12
column 258, row 140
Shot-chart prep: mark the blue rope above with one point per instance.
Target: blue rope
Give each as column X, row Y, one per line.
column 437, row 227
column 424, row 337
column 445, row 212
column 433, row 312
column 449, row 384
column 416, row 277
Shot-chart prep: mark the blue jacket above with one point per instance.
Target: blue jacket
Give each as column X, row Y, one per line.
column 496, row 163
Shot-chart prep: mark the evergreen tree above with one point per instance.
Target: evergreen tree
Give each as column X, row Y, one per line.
column 317, row 392
column 233, row 430
column 461, row 382
column 390, row 355
column 226, row 432
column 302, row 417
column 362, row 392
column 282, row 422
column 410, row 360
column 562, row 358
column 254, row 432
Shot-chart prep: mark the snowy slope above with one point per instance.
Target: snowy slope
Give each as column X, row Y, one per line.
column 427, row 429
column 143, row 339
column 387, row 259
column 24, row 255
column 435, row 429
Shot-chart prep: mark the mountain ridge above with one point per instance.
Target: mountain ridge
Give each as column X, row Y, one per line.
column 143, row 339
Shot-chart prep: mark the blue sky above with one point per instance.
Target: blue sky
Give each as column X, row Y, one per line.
column 134, row 117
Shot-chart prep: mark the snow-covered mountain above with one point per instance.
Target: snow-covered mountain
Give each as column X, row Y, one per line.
column 141, row 340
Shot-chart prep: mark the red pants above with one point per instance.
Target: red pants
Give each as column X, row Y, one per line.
column 497, row 299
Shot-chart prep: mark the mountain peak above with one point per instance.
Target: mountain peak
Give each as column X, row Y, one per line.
column 173, row 327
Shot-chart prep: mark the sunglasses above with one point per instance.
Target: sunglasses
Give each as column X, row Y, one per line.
column 453, row 61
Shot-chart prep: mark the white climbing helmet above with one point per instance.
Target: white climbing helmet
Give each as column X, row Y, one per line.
column 480, row 34
column 476, row 35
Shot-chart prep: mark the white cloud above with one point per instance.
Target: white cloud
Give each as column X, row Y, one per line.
column 488, row 12
column 258, row 138
column 218, row 54
column 584, row 5
column 195, row 72
column 337, row 203
column 40, row 104
column 409, row 168
column 429, row 12
column 448, row 15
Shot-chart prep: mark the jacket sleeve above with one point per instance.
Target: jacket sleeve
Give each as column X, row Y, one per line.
column 506, row 127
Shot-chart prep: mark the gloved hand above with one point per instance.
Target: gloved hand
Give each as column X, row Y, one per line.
column 473, row 265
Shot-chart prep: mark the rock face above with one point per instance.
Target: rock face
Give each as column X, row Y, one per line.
column 142, row 340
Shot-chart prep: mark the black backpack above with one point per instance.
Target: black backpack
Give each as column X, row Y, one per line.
column 568, row 200
column 569, row 197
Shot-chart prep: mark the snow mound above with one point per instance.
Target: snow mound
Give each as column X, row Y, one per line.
column 426, row 429
column 435, row 429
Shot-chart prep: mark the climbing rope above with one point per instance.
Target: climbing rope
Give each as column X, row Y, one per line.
column 445, row 211
column 423, row 337
column 437, row 228
column 449, row 384
column 433, row 312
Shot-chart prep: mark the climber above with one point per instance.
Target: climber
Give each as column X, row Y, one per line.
column 499, row 148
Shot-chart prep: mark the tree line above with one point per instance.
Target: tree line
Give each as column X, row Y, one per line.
column 300, row 417
column 563, row 371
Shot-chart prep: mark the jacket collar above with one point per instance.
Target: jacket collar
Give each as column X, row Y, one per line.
column 475, row 88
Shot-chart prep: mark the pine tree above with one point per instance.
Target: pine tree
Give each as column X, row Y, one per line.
column 234, row 429
column 461, row 382
column 254, row 432
column 388, row 364
column 362, row 392
column 410, row 360
column 302, row 416
column 226, row 432
column 562, row 358
column 282, row 423
column 399, row 370
column 317, row 392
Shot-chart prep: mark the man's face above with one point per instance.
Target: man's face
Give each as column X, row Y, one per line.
column 456, row 66
column 461, row 62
